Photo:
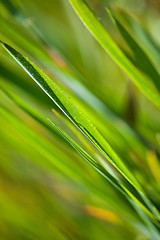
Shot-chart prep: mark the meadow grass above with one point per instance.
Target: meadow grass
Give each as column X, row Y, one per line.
column 79, row 120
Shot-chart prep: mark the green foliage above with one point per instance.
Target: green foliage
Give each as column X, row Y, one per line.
column 80, row 154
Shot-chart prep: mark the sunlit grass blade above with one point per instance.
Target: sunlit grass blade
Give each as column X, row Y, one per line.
column 71, row 111
column 99, row 32
column 77, row 117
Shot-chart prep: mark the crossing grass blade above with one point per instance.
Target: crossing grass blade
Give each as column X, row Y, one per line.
column 142, row 36
column 89, row 19
column 141, row 60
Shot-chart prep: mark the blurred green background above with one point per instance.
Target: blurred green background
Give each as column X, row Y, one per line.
column 47, row 191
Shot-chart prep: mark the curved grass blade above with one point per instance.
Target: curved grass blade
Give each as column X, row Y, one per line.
column 80, row 121
column 71, row 111
column 141, row 59
column 142, row 36
column 99, row 32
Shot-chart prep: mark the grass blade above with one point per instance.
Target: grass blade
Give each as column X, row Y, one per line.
column 71, row 111
column 82, row 123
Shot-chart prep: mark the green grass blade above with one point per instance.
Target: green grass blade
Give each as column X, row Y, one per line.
column 79, row 119
column 99, row 32
column 71, row 111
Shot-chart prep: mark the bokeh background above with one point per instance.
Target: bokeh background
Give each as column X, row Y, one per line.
column 47, row 191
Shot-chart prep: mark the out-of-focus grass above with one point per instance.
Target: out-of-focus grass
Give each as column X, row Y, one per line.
column 54, row 182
